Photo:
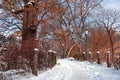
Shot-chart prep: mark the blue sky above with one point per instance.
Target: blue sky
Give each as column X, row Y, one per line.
column 113, row 4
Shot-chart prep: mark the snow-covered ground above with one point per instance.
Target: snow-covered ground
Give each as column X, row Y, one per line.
column 75, row 70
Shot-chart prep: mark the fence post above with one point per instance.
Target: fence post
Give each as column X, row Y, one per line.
column 35, row 62
column 54, row 58
column 90, row 56
column 50, row 58
column 83, row 55
column 108, row 59
column 98, row 57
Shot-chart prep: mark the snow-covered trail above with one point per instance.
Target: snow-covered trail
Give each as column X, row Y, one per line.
column 80, row 72
column 74, row 70
column 90, row 71
column 58, row 72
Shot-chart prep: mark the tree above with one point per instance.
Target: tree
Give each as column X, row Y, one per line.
column 70, row 16
column 29, row 14
column 76, row 16
column 98, row 39
column 109, row 20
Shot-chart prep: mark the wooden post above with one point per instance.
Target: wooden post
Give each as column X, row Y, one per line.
column 50, row 58
column 54, row 58
column 84, row 57
column 98, row 57
column 108, row 59
column 90, row 56
column 35, row 62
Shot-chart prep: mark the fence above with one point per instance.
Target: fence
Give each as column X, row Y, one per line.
column 44, row 61
column 100, row 58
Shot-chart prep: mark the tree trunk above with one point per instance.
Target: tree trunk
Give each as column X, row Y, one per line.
column 108, row 60
column 29, row 31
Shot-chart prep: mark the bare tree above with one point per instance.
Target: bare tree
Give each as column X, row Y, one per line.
column 109, row 20
column 76, row 16
column 64, row 21
column 29, row 14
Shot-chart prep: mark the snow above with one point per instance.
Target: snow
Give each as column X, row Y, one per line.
column 67, row 69
column 59, row 72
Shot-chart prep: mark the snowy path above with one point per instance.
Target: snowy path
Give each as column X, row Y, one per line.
column 74, row 70
column 79, row 72
column 89, row 71
column 59, row 72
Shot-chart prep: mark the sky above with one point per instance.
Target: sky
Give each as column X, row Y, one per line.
column 111, row 4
